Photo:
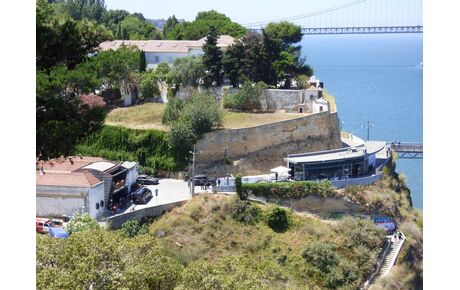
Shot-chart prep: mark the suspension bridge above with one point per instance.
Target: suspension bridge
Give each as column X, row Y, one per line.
column 357, row 17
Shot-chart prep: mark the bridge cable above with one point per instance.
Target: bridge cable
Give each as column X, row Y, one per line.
column 314, row 13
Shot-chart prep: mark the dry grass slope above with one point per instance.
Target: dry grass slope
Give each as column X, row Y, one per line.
column 148, row 116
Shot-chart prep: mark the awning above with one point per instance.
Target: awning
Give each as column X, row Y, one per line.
column 280, row 169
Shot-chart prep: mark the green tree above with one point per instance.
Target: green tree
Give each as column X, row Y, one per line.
column 171, row 22
column 199, row 27
column 278, row 220
column 62, row 40
column 187, row 71
column 203, row 112
column 181, row 139
column 142, row 61
column 285, row 31
column 239, row 189
column 84, row 9
column 81, row 223
column 119, row 31
column 149, row 85
column 139, row 29
column 231, row 63
column 173, row 110
column 212, row 59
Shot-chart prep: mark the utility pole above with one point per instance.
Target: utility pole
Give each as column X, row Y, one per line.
column 225, row 159
column 193, row 168
column 367, row 126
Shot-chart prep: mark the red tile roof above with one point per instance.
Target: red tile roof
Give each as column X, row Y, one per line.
column 74, row 179
column 165, row 45
column 64, row 165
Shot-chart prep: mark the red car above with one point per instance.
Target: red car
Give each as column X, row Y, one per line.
column 42, row 225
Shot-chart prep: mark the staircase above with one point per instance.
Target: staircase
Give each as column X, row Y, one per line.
column 387, row 259
column 390, row 258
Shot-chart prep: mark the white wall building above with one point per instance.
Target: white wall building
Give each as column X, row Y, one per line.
column 82, row 184
column 157, row 51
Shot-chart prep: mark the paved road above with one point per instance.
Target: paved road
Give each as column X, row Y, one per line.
column 169, row 191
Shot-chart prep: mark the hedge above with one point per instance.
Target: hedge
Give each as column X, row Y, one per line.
column 148, row 147
column 298, row 189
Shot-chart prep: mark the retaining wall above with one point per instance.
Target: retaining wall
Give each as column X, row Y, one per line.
column 316, row 132
column 116, row 221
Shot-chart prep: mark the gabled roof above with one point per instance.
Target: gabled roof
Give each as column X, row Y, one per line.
column 74, row 179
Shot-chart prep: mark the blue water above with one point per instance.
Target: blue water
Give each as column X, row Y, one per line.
column 375, row 78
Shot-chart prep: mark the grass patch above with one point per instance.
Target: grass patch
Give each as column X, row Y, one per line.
column 146, row 116
column 236, row 120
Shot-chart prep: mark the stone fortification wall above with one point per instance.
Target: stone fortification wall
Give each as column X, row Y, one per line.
column 255, row 149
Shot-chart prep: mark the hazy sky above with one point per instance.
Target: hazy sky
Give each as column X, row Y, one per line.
column 249, row 11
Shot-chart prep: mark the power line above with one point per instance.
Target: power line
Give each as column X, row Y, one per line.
column 319, row 12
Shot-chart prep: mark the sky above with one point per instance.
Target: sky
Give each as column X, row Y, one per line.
column 248, row 11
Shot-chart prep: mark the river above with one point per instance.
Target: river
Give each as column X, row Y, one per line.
column 375, row 78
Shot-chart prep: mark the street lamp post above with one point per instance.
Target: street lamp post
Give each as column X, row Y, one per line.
column 367, row 126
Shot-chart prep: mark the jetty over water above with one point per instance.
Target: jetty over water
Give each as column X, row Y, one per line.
column 407, row 150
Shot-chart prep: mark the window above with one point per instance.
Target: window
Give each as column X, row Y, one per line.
column 102, row 203
column 97, row 205
column 157, row 59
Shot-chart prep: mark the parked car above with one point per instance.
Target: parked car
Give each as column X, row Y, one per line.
column 147, row 180
column 58, row 232
column 203, row 180
column 141, row 196
column 42, row 225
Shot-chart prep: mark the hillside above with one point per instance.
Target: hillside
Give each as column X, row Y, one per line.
column 212, row 242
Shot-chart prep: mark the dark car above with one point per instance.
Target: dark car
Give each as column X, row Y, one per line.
column 147, row 180
column 141, row 196
column 202, row 180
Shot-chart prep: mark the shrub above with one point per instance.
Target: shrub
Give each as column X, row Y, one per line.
column 132, row 228
column 243, row 211
column 239, row 189
column 149, row 85
column 203, row 112
column 172, row 110
column 81, row 223
column 187, row 71
column 278, row 220
column 297, row 189
column 248, row 98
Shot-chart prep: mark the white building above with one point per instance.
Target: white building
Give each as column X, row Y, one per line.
column 82, row 184
column 157, row 51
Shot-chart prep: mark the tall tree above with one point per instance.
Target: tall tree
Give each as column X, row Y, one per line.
column 169, row 25
column 212, row 59
column 119, row 31
column 231, row 63
column 142, row 61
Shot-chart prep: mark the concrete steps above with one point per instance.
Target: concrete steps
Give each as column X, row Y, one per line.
column 388, row 259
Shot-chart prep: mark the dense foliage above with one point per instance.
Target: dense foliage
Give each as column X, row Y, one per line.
column 81, row 223
column 296, row 189
column 213, row 242
column 149, row 147
column 270, row 56
column 199, row 115
column 199, row 27
column 247, row 98
column 212, row 60
column 278, row 220
column 132, row 228
column 187, row 71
